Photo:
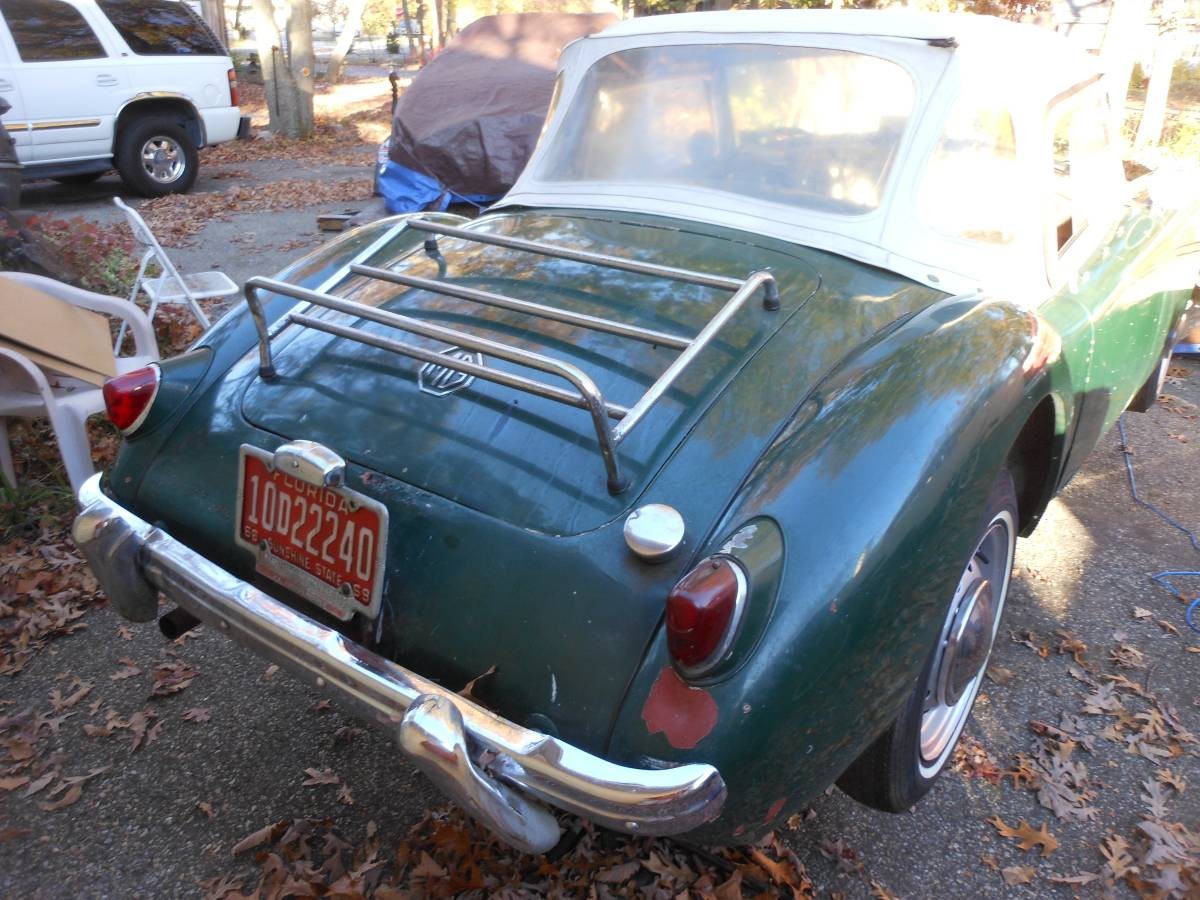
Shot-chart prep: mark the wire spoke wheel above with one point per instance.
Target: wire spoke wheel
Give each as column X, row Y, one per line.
column 965, row 643
column 163, row 159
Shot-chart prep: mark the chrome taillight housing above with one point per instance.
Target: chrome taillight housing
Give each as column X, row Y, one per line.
column 704, row 611
column 128, row 397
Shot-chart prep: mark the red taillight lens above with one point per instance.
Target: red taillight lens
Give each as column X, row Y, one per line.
column 702, row 613
column 128, row 397
column 233, row 93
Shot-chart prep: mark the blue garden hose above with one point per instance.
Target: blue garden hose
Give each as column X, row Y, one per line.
column 1162, row 579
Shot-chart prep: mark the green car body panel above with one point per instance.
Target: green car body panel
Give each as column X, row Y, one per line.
column 842, row 447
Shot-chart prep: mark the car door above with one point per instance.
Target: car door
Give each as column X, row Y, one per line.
column 72, row 86
column 16, row 120
column 1094, row 237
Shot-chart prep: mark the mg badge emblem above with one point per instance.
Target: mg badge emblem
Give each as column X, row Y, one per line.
column 440, row 380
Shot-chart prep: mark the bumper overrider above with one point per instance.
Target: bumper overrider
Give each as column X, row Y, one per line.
column 495, row 769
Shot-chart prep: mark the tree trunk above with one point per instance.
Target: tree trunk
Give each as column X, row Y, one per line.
column 346, row 40
column 303, row 61
column 408, row 31
column 237, row 18
column 1154, row 113
column 451, row 18
column 439, row 22
column 287, row 76
column 213, row 14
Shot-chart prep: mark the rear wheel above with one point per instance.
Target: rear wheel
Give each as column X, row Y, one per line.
column 155, row 156
column 899, row 768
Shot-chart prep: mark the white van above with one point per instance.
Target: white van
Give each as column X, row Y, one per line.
column 136, row 85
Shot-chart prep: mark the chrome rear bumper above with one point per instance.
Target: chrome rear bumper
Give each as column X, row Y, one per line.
column 445, row 734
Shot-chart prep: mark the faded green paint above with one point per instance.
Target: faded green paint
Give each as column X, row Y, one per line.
column 866, row 419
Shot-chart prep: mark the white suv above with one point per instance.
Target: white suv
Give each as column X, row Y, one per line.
column 138, row 85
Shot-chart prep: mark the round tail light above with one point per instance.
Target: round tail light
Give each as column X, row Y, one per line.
column 128, row 398
column 703, row 612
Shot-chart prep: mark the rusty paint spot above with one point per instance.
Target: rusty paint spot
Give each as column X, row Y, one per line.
column 775, row 809
column 684, row 714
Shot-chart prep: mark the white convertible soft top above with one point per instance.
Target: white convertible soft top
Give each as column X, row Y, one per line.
column 1022, row 67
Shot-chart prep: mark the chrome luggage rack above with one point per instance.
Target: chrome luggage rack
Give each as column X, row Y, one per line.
column 586, row 395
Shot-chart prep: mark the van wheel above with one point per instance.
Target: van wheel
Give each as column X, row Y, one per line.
column 899, row 768
column 155, row 156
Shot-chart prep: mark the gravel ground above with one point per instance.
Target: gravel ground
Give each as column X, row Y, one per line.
column 139, row 830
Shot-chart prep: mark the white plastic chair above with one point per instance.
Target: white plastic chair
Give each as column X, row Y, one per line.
column 26, row 390
column 170, row 286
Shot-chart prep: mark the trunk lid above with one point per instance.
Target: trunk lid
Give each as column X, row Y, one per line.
column 530, row 461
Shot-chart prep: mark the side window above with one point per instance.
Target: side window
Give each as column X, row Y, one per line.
column 971, row 186
column 161, row 28
column 1083, row 164
column 50, row 31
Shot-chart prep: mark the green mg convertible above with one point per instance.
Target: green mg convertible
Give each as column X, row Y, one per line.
column 710, row 444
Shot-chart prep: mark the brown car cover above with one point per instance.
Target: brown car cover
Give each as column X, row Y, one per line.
column 471, row 117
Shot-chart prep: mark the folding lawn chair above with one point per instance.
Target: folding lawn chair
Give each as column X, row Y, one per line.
column 170, row 286
column 27, row 390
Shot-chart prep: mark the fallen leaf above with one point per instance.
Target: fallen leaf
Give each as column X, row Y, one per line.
column 198, row 714
column 1169, row 778
column 13, row 782
column 39, row 784
column 129, row 669
column 618, row 874
column 1115, row 850
column 268, row 834
column 344, row 796
column 468, row 690
column 1000, row 675
column 316, row 777
column 60, row 702
column 1014, row 875
column 1078, row 880
column 1026, row 835
column 1141, row 613
column 206, row 808
column 70, row 797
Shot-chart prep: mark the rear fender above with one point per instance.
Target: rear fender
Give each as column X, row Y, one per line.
column 876, row 486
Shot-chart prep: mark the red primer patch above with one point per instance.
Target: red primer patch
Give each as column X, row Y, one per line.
column 684, row 714
column 775, row 809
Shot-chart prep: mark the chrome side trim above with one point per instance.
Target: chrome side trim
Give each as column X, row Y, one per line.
column 64, row 123
column 490, row 765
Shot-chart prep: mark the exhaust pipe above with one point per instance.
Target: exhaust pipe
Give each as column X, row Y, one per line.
column 176, row 623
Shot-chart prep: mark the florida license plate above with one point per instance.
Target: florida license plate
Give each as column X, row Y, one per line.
column 325, row 544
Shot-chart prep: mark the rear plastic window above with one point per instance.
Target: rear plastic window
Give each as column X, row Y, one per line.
column 161, row 28
column 50, row 31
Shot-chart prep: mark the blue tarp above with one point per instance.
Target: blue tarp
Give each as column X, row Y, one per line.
column 407, row 190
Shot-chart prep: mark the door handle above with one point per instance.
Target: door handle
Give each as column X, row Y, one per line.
column 106, row 81
column 5, row 84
